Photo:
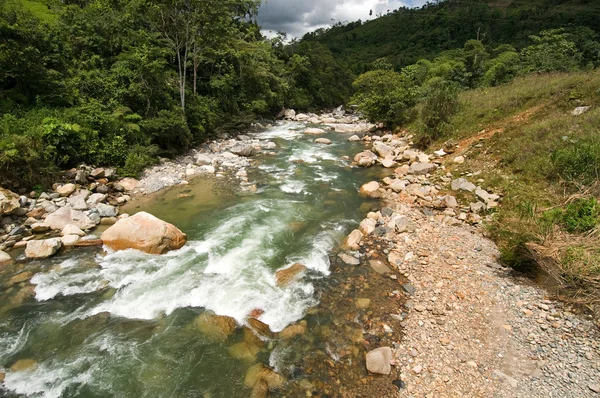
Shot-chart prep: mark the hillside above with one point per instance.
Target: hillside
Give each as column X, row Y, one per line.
column 406, row 35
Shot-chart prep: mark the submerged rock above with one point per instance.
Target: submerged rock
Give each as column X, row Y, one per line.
column 325, row 141
column 260, row 372
column 42, row 248
column 5, row 259
column 260, row 389
column 294, row 330
column 260, row 327
column 144, row 232
column 215, row 327
column 348, row 259
column 24, row 364
column 285, row 276
column 378, row 360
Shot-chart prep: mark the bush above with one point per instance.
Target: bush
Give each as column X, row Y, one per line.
column 138, row 159
column 581, row 215
column 384, row 96
column 441, row 103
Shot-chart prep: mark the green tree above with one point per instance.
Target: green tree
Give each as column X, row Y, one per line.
column 553, row 50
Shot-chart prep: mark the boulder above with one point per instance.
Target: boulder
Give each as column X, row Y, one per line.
column 67, row 215
column 81, row 177
column 370, row 189
column 352, row 240
column 420, row 168
column 378, row 360
column 98, row 173
column 105, row 210
column 365, row 158
column 77, row 202
column 580, row 110
column 215, row 327
column 24, row 364
column 348, row 259
column 95, row 198
column 314, row 131
column 286, row 275
column 260, row 328
column 388, row 162
column 246, row 150
column 9, row 201
column 260, row 389
column 351, row 128
column 71, row 229
column 42, row 248
column 144, row 232
column 202, row 159
column 367, row 226
column 459, row 160
column 289, row 114
column 129, row 184
column 302, row 117
column 382, row 150
column 354, row 138
column 461, row 184
column 325, row 141
column 66, row 190
column 40, row 227
column 260, row 372
column 5, row 259
column 397, row 185
column 449, row 201
column 402, row 224
column 294, row 330
column 69, row 240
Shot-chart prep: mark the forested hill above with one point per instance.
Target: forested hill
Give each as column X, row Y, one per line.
column 406, row 35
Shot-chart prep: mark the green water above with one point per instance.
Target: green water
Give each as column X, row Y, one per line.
column 123, row 324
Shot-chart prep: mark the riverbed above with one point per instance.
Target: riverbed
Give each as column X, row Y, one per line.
column 125, row 323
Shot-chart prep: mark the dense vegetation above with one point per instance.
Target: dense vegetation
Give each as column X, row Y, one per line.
column 406, row 35
column 115, row 82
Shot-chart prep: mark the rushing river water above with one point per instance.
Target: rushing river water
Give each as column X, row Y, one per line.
column 124, row 325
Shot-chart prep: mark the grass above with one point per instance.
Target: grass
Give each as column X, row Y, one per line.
column 547, row 165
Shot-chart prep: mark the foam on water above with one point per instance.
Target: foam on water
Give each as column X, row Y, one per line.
column 293, row 186
column 286, row 130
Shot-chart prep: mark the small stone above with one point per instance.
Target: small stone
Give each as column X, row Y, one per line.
column 362, row 303
column 348, row 259
column 595, row 388
column 417, row 369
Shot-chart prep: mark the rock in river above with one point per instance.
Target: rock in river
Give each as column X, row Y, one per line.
column 285, row 276
column 365, row 158
column 144, row 232
column 215, row 327
column 42, row 248
column 378, row 360
column 5, row 259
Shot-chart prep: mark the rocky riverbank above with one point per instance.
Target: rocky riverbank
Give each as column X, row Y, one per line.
column 87, row 197
column 454, row 322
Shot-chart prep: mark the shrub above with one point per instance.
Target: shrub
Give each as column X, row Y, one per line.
column 579, row 162
column 581, row 215
column 441, row 103
column 138, row 159
column 384, row 96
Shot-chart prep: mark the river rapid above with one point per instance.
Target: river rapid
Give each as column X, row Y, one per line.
column 123, row 324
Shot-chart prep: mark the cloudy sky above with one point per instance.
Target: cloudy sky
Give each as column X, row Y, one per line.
column 296, row 17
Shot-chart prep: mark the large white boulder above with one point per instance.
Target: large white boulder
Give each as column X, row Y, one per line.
column 42, row 248
column 144, row 232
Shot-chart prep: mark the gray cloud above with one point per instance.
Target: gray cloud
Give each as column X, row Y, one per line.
column 296, row 17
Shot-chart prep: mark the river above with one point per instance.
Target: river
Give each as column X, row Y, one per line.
column 124, row 324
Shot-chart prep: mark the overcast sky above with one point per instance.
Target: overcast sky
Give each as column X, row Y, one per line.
column 296, row 17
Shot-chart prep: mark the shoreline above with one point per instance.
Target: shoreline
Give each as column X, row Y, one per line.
column 458, row 323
